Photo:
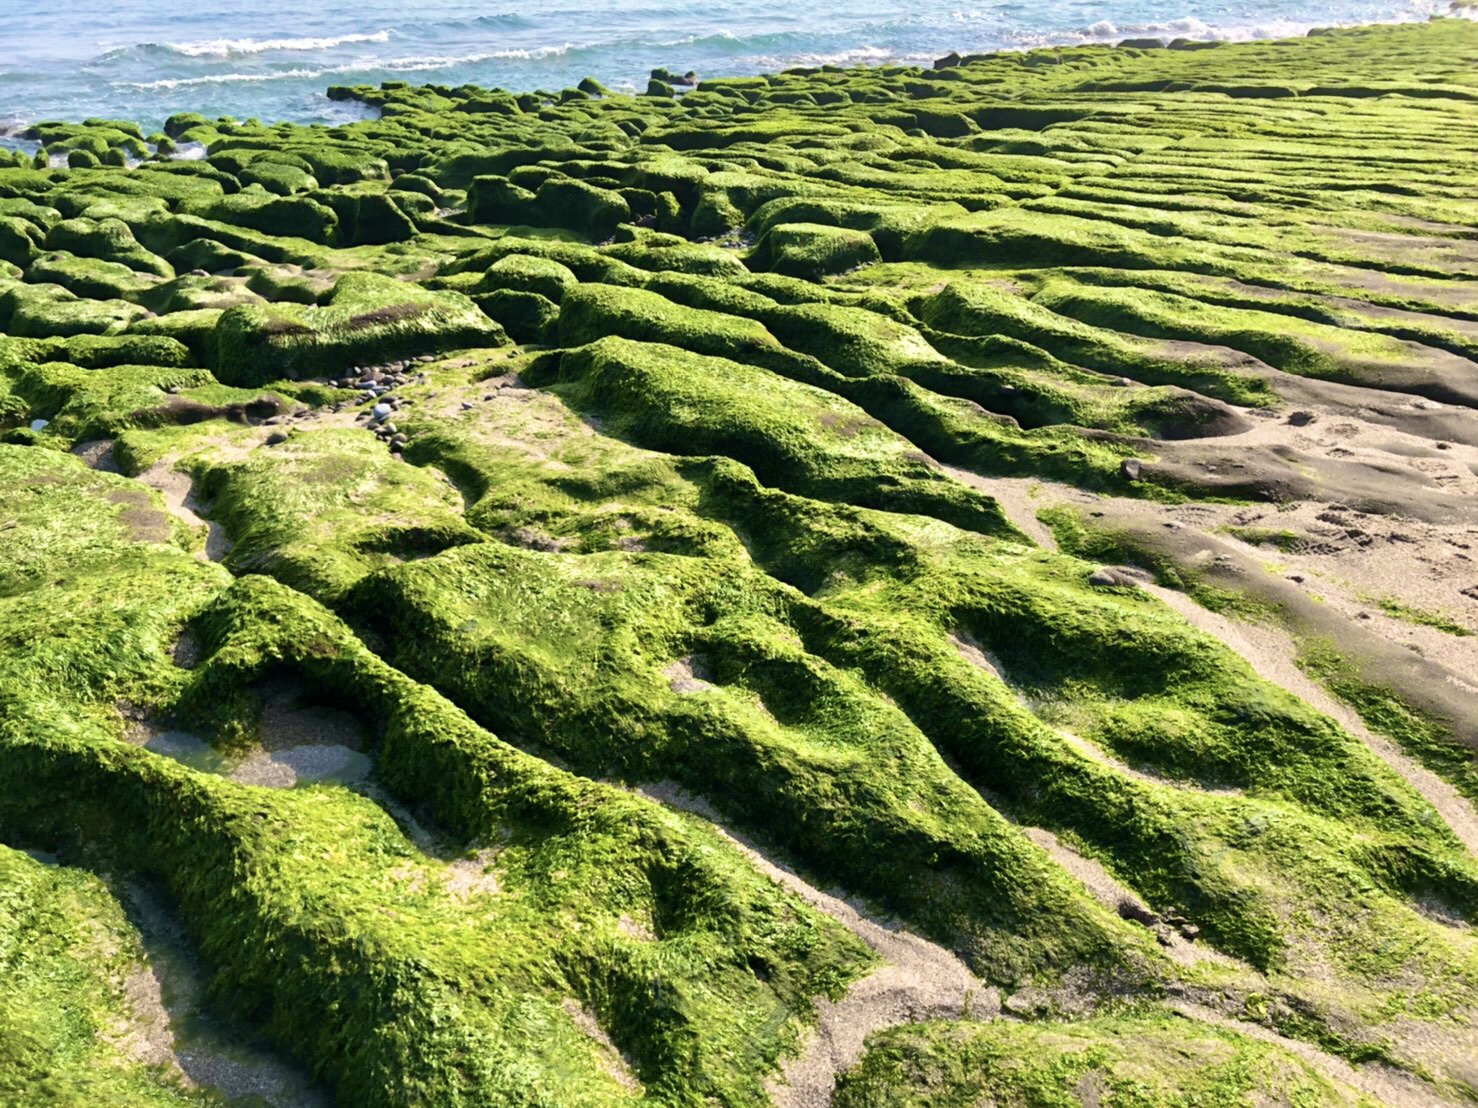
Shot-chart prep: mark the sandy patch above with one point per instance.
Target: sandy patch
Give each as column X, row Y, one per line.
column 179, row 499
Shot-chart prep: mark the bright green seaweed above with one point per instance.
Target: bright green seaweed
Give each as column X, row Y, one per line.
column 590, row 449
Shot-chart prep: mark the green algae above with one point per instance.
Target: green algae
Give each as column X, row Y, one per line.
column 1074, row 535
column 1421, row 617
column 1142, row 1061
column 702, row 534
column 66, row 948
column 253, row 916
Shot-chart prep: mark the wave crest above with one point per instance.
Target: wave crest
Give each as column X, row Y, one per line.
column 234, row 47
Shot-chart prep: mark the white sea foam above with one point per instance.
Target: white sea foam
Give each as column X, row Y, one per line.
column 1192, row 27
column 228, row 47
column 447, row 61
column 228, row 79
column 414, row 64
column 860, row 55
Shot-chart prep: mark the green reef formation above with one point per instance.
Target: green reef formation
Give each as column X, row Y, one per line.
column 895, row 586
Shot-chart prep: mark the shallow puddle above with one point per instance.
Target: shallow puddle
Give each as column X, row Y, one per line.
column 189, row 750
column 283, row 768
column 170, row 1026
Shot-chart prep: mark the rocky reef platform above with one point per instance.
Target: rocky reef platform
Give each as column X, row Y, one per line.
column 874, row 587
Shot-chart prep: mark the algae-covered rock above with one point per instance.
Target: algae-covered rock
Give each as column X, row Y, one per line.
column 527, row 273
column 20, row 240
column 110, row 240
column 526, row 316
column 367, row 318
column 812, row 250
column 471, row 577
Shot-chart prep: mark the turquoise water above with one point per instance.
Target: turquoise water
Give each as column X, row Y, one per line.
column 144, row 59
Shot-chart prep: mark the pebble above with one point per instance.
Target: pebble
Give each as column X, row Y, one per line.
column 1131, row 468
column 173, row 390
column 466, row 405
column 388, row 428
column 382, row 411
column 276, row 437
column 40, row 424
column 1109, row 578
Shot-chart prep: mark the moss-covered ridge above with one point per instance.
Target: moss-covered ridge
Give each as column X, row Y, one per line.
column 576, row 443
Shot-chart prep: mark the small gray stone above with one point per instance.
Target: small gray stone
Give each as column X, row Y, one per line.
column 276, row 437
column 382, row 411
column 388, row 428
column 40, row 424
column 1130, row 468
column 1106, row 577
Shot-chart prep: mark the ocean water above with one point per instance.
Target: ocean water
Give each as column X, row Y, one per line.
column 145, row 59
